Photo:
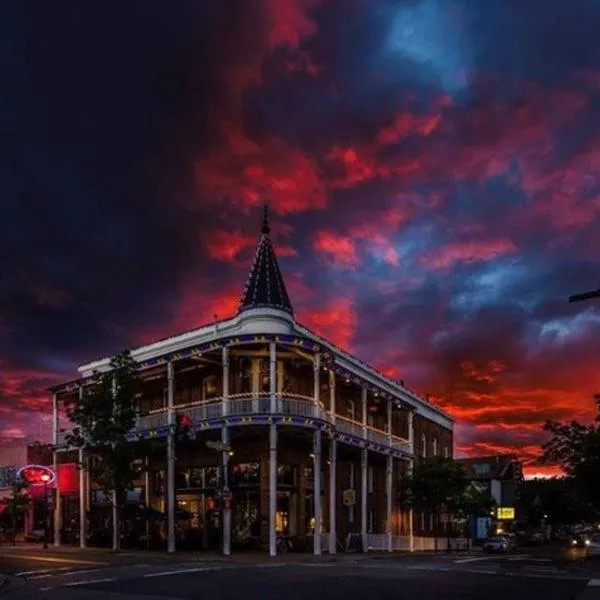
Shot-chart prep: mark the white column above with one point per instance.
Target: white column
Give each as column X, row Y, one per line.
column 57, row 505
column 364, row 411
column 332, row 495
column 332, row 394
column 170, row 459
column 363, row 496
column 411, row 445
column 226, row 511
column 332, row 470
column 317, row 496
column 82, row 507
column 225, row 362
column 317, row 382
column 273, row 376
column 363, row 473
column 389, row 420
column 388, row 492
column 411, row 535
column 272, row 489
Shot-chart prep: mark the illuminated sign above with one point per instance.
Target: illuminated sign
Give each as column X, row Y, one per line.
column 36, row 475
column 506, row 513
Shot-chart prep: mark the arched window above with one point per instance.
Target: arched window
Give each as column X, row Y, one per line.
column 423, row 445
column 435, row 446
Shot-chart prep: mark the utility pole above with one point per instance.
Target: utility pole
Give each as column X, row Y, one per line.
column 584, row 296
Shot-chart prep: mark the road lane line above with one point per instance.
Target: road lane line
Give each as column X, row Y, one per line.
column 52, row 559
column 90, row 582
column 594, row 583
column 181, row 571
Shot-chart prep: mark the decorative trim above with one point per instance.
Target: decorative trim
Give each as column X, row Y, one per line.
column 296, row 341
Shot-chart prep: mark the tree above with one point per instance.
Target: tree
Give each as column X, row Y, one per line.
column 102, row 418
column 576, row 448
column 17, row 503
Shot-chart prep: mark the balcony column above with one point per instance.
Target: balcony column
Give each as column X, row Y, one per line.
column 170, row 458
column 273, row 377
column 317, row 486
column 363, row 473
column 411, row 535
column 411, row 446
column 57, row 507
column 116, row 538
column 317, row 382
column 272, row 489
column 226, row 441
column 225, row 363
column 332, row 495
column 389, row 471
column 332, row 469
column 363, row 497
column 389, row 421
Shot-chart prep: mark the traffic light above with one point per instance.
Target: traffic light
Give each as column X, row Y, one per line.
column 183, row 428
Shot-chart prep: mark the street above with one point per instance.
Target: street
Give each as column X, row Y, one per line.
column 406, row 577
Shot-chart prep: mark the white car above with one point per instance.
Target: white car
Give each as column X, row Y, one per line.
column 592, row 547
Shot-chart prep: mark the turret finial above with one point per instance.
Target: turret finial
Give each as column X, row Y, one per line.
column 265, row 223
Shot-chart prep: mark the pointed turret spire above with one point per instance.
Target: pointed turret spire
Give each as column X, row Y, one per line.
column 265, row 287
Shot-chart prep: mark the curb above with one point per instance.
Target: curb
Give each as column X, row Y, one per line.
column 591, row 591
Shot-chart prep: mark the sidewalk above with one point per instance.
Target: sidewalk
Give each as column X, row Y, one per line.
column 244, row 557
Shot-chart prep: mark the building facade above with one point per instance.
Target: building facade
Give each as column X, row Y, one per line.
column 299, row 439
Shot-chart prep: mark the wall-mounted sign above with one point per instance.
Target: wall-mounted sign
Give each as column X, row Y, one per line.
column 505, row 513
column 36, row 475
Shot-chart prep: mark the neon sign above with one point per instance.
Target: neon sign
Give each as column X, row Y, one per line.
column 36, row 475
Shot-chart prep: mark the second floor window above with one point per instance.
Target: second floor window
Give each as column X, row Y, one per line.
column 351, row 410
column 370, row 479
column 423, row 445
column 446, row 452
column 435, row 446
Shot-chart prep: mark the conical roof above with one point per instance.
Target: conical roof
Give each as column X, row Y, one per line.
column 265, row 287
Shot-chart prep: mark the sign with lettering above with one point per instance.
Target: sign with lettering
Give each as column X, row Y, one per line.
column 36, row 475
column 505, row 513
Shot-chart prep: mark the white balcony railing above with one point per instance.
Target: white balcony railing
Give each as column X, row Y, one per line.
column 239, row 405
column 349, row 427
column 377, row 436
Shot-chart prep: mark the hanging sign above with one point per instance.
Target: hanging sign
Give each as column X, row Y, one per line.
column 36, row 475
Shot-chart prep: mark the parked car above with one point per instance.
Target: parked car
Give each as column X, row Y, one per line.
column 499, row 543
column 593, row 548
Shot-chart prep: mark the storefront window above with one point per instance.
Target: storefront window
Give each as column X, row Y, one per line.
column 246, row 474
column 286, row 475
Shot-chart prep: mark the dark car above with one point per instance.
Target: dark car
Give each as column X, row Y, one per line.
column 580, row 540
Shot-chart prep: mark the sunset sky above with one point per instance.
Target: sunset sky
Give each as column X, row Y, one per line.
column 432, row 168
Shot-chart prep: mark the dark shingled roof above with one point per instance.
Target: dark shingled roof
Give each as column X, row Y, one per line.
column 265, row 287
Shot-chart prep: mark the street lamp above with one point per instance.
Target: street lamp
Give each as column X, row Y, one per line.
column 45, row 478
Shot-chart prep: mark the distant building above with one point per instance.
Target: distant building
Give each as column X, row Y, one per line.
column 501, row 476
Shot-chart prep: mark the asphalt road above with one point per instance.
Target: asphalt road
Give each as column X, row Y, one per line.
column 333, row 581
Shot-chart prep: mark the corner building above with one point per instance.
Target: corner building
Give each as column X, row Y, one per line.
column 314, row 441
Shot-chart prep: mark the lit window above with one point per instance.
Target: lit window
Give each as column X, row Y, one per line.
column 446, row 452
column 435, row 446
column 423, row 445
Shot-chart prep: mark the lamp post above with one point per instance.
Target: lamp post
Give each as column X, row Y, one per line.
column 45, row 478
